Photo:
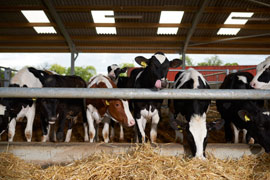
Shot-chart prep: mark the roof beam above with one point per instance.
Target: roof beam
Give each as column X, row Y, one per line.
column 259, row 2
column 60, row 24
column 194, row 24
column 139, row 25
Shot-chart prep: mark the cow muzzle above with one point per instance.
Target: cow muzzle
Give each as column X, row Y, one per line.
column 52, row 120
column 161, row 84
column 131, row 123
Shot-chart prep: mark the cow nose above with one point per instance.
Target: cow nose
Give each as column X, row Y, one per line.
column 131, row 123
column 52, row 120
column 253, row 84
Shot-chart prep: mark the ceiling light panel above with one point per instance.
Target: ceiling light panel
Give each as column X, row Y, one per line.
column 36, row 16
column 106, row 30
column 44, row 30
column 229, row 20
column 228, row 31
column 167, row 17
column 99, row 16
column 164, row 30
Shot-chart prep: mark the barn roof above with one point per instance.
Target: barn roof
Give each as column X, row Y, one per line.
column 136, row 27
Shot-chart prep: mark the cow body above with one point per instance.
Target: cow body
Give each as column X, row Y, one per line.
column 60, row 110
column 262, row 78
column 194, row 111
column 152, row 76
column 17, row 109
column 97, row 109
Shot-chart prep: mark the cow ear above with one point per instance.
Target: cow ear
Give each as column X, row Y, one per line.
column 215, row 125
column 123, row 70
column 244, row 115
column 175, row 63
column 142, row 61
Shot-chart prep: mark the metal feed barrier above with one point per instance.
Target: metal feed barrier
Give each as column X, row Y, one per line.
column 47, row 153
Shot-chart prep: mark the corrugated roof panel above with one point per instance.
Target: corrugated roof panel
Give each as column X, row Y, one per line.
column 214, row 18
column 76, row 16
column 147, row 17
column 12, row 17
column 82, row 32
column 136, row 31
column 17, row 31
column 21, row 3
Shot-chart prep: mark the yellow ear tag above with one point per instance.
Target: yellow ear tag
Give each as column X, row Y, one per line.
column 107, row 103
column 34, row 99
column 143, row 64
column 247, row 118
column 179, row 128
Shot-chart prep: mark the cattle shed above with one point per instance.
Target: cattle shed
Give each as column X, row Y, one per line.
column 135, row 26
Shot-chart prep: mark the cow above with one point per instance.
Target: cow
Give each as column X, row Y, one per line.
column 20, row 108
column 194, row 111
column 232, row 111
column 115, row 109
column 121, row 82
column 151, row 76
column 62, row 109
column 262, row 78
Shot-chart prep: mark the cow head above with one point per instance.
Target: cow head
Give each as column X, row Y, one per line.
column 258, row 126
column 114, row 71
column 262, row 78
column 49, row 109
column 157, row 68
column 197, row 132
column 119, row 111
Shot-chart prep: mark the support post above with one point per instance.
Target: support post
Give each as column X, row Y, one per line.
column 184, row 60
column 72, row 66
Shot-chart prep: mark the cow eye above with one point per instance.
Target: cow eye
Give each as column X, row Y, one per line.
column 117, row 105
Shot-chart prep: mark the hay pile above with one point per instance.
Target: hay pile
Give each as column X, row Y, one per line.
column 142, row 163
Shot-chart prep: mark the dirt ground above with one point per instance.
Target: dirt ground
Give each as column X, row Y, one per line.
column 165, row 133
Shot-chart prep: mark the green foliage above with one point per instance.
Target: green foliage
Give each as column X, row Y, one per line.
column 58, row 69
column 231, row 64
column 84, row 72
column 212, row 61
column 189, row 61
column 128, row 65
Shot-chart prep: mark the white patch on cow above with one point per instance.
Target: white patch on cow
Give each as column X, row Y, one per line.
column 24, row 77
column 197, row 127
column 260, row 69
column 86, row 136
column 147, row 114
column 11, row 129
column 130, row 118
column 100, row 78
column 190, row 74
column 68, row 135
column 236, row 133
column 266, row 113
column 243, row 79
column 2, row 109
column 161, row 58
column 2, row 132
column 94, row 113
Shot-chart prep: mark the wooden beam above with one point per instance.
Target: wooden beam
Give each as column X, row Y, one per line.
column 85, row 8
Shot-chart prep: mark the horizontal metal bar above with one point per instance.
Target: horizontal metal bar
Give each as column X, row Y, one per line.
column 97, row 93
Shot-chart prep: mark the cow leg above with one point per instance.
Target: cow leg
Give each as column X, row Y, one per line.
column 140, row 123
column 90, row 121
column 236, row 133
column 30, row 120
column 61, row 127
column 228, row 132
column 153, row 132
column 69, row 131
column 121, row 138
column 178, row 136
column 105, row 130
column 86, row 136
column 96, row 125
column 244, row 140
column 11, row 129
column 45, row 130
column 112, row 133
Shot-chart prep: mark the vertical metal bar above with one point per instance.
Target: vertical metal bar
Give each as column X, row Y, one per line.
column 72, row 66
column 7, row 76
column 184, row 60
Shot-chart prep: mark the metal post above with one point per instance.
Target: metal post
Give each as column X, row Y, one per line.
column 72, row 69
column 7, row 76
column 184, row 60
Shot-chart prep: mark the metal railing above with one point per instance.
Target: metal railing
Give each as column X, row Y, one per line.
column 123, row 93
column 5, row 75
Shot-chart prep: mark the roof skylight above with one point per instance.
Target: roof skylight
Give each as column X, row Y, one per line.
column 171, row 17
column 229, row 20
column 228, row 31
column 44, row 29
column 106, row 30
column 35, row 16
column 167, row 30
column 99, row 16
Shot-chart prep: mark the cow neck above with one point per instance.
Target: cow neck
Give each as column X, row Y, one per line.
column 146, row 79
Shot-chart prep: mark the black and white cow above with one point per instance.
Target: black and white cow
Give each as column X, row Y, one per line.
column 121, row 82
column 194, row 112
column 19, row 108
column 246, row 115
column 262, row 78
column 152, row 76
column 60, row 110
